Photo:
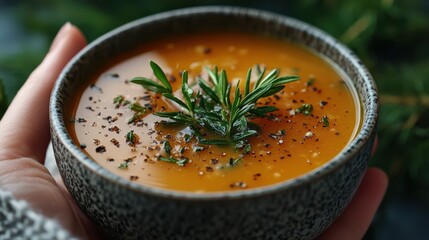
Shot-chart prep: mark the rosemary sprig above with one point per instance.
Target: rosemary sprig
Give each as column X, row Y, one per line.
column 214, row 108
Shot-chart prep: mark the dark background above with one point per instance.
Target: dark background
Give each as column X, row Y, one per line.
column 391, row 37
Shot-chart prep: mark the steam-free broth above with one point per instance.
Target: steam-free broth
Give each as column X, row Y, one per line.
column 289, row 142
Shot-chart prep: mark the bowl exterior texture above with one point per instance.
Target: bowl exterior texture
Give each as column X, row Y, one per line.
column 298, row 209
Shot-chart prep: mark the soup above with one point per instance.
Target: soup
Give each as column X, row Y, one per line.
column 114, row 120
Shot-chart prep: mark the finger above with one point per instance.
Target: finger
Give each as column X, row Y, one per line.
column 356, row 218
column 24, row 129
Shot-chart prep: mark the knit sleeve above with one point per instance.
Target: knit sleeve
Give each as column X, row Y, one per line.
column 19, row 221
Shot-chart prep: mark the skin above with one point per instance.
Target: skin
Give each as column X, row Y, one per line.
column 24, row 137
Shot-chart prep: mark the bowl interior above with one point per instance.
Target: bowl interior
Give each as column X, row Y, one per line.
column 191, row 20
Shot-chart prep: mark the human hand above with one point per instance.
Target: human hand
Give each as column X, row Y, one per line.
column 354, row 222
column 24, row 137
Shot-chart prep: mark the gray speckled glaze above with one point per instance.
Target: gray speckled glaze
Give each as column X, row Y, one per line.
column 297, row 209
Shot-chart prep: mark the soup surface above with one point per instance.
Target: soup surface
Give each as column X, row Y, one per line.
column 290, row 143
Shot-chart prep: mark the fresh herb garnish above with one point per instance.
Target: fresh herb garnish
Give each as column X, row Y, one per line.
column 233, row 162
column 131, row 138
column 118, row 101
column 181, row 161
column 310, row 82
column 137, row 108
column 197, row 148
column 123, row 165
column 305, row 109
column 214, row 108
column 167, row 147
column 325, row 121
column 139, row 112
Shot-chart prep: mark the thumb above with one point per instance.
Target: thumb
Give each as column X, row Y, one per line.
column 24, row 129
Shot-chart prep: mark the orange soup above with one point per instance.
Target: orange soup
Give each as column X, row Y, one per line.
column 317, row 116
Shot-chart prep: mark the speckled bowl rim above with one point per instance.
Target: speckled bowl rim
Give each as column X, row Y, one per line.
column 353, row 148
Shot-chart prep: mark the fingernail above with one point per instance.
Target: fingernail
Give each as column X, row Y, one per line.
column 60, row 35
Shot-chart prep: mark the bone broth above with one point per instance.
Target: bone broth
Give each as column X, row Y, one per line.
column 117, row 122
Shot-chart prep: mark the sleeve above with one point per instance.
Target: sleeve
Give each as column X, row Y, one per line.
column 19, row 221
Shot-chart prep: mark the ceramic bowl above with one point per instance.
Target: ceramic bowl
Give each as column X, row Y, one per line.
column 300, row 208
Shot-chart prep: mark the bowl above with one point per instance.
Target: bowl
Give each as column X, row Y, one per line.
column 300, row 208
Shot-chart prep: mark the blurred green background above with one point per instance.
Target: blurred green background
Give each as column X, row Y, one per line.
column 391, row 37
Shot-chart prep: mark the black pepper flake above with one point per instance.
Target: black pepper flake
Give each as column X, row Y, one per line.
column 100, row 149
column 113, row 75
column 114, row 129
column 110, row 160
column 323, row 103
column 134, row 178
column 129, row 159
column 209, row 169
column 214, row 161
column 256, row 176
column 81, row 120
column 83, row 146
column 90, row 109
column 115, row 142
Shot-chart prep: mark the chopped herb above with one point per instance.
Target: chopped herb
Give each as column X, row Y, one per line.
column 125, row 103
column 197, row 148
column 181, row 150
column 233, row 162
column 131, row 138
column 188, row 137
column 325, row 121
column 310, row 82
column 181, row 162
column 135, row 117
column 305, row 109
column 167, row 147
column 247, row 148
column 123, row 165
column 137, row 108
column 118, row 101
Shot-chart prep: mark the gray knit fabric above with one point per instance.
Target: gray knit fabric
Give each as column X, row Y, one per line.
column 19, row 221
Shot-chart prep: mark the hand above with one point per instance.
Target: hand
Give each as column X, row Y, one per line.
column 24, row 137
column 356, row 218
